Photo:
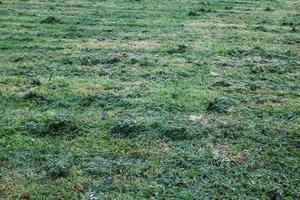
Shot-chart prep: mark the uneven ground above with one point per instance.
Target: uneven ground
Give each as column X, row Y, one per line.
column 123, row 99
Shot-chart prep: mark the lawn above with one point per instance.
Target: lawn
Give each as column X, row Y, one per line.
column 149, row 99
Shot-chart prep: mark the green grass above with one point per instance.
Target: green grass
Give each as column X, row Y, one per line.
column 141, row 99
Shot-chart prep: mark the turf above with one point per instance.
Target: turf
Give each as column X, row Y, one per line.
column 149, row 99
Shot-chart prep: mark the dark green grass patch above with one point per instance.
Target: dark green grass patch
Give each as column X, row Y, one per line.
column 220, row 105
column 105, row 100
column 59, row 167
column 126, row 129
column 50, row 20
column 53, row 125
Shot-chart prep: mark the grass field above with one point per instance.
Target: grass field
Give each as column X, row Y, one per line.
column 149, row 99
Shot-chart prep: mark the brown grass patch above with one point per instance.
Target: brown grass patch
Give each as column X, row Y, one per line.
column 224, row 153
column 94, row 43
column 144, row 44
column 198, row 118
column 221, row 24
column 91, row 89
column 74, row 2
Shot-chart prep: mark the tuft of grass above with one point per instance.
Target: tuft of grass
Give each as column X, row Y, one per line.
column 175, row 133
column 34, row 96
column 50, row 20
column 220, row 105
column 59, row 167
column 105, row 100
column 53, row 125
column 222, row 83
column 180, row 49
column 127, row 129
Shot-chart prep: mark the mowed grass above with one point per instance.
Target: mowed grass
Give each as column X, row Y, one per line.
column 149, row 99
